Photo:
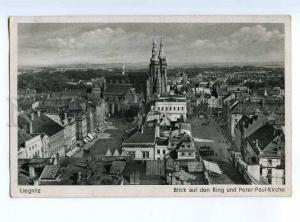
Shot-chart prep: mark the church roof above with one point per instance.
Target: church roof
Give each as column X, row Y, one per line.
column 116, row 89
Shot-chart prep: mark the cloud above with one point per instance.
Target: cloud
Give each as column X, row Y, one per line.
column 112, row 43
column 247, row 42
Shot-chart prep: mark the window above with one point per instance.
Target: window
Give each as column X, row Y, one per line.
column 164, row 152
column 145, row 154
column 174, row 108
column 189, row 145
column 158, row 151
column 182, row 154
column 190, row 154
column 269, row 171
column 166, row 108
column 158, row 108
column 162, row 108
column 182, row 108
column 131, row 154
column 270, row 180
column 178, row 108
column 269, row 162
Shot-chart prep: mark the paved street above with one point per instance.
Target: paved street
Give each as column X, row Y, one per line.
column 210, row 131
column 111, row 138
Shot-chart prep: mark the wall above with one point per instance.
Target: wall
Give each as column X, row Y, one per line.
column 33, row 148
column 160, row 155
column 185, row 155
column 138, row 152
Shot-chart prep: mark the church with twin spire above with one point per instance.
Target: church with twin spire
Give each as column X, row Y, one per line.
column 157, row 79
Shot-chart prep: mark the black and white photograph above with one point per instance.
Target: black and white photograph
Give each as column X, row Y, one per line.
column 136, row 106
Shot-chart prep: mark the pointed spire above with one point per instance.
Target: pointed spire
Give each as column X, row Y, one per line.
column 161, row 49
column 123, row 68
column 154, row 50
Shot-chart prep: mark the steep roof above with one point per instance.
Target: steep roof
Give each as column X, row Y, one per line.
column 263, row 136
column 148, row 137
column 41, row 124
column 117, row 89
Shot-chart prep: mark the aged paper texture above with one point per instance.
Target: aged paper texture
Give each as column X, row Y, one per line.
column 150, row 106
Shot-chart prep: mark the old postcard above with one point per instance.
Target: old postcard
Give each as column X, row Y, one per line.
column 150, row 106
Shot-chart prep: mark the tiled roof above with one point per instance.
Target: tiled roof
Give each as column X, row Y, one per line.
column 148, row 136
column 50, row 172
column 263, row 136
column 117, row 89
column 40, row 124
column 44, row 124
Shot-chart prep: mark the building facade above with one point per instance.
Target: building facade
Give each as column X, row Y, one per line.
column 174, row 107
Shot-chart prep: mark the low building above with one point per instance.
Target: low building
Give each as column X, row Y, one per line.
column 30, row 146
column 161, row 148
column 265, row 147
column 186, row 149
column 141, row 145
column 38, row 123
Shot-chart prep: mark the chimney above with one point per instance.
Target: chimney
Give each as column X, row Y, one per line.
column 56, row 159
column 157, row 129
column 32, row 116
column 39, row 113
column 65, row 118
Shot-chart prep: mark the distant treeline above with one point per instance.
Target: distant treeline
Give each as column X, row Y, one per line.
column 193, row 71
column 45, row 81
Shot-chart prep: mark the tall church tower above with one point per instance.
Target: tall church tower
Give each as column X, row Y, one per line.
column 157, row 71
column 163, row 68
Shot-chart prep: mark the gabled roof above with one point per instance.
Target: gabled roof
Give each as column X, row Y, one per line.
column 40, row 124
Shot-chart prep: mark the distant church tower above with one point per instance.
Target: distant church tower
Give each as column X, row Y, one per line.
column 158, row 71
column 123, row 68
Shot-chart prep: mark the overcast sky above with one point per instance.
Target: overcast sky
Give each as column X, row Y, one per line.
column 50, row 44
